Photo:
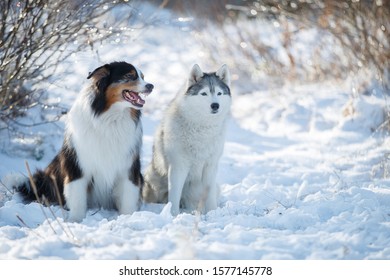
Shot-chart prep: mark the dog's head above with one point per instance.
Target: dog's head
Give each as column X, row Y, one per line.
column 209, row 93
column 118, row 82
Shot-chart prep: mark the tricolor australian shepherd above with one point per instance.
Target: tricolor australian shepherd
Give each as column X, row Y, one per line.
column 99, row 162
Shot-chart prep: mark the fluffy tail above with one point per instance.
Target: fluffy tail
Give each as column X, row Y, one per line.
column 45, row 188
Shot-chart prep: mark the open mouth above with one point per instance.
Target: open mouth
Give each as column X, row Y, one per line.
column 134, row 97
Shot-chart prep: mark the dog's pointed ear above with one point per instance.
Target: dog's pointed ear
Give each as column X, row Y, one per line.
column 195, row 75
column 99, row 72
column 224, row 74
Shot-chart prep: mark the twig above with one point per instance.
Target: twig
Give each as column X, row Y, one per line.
column 32, row 183
column 35, row 190
column 44, row 199
column 57, row 191
column 24, row 224
column 11, row 192
column 47, row 204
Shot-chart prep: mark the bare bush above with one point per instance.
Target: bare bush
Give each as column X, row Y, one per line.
column 293, row 40
column 36, row 36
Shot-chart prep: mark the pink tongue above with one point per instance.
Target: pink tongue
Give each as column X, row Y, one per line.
column 136, row 98
column 140, row 100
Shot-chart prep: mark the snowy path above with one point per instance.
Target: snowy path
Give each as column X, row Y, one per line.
column 298, row 182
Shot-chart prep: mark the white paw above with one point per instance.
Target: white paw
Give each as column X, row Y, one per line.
column 75, row 217
column 175, row 210
column 127, row 198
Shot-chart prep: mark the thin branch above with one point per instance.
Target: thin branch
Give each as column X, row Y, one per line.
column 25, row 225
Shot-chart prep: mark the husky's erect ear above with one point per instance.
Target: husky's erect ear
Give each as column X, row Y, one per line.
column 99, row 72
column 195, row 75
column 224, row 74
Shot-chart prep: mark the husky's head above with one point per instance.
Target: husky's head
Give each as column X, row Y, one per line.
column 209, row 93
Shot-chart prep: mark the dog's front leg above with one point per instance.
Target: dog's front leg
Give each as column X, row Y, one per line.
column 211, row 190
column 126, row 196
column 75, row 193
column 177, row 174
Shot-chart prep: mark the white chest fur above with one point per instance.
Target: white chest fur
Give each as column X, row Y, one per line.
column 105, row 145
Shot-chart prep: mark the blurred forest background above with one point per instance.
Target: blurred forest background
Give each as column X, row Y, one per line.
column 266, row 42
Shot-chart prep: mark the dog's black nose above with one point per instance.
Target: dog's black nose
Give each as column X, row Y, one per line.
column 149, row 87
column 214, row 106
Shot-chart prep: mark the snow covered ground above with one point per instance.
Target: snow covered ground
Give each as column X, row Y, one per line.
column 304, row 174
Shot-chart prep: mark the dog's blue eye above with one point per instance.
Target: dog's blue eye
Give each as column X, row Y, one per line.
column 203, row 93
column 219, row 93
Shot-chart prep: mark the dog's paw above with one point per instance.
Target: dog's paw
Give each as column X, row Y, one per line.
column 75, row 216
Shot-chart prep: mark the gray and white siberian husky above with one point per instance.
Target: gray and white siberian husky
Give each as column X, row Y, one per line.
column 189, row 143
